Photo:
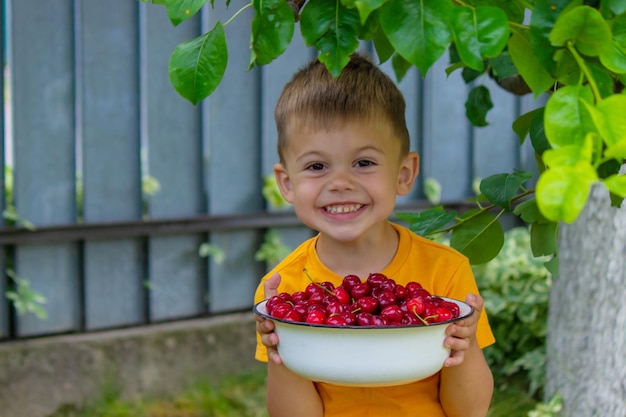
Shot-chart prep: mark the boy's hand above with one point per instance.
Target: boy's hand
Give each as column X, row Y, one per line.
column 266, row 327
column 462, row 334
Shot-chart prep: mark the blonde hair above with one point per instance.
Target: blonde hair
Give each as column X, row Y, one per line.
column 315, row 99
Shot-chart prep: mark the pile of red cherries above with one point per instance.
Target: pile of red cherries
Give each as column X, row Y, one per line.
column 375, row 301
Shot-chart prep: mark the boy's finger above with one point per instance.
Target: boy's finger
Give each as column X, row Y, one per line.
column 271, row 286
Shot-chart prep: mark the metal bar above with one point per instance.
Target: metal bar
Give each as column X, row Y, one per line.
column 139, row 228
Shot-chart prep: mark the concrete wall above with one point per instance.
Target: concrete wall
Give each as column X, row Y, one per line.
column 37, row 376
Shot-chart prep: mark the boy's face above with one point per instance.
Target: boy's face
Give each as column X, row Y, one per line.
column 343, row 181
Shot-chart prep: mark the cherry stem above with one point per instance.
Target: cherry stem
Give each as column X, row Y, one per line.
column 316, row 283
column 420, row 317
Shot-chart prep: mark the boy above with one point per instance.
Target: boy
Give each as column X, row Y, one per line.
column 344, row 157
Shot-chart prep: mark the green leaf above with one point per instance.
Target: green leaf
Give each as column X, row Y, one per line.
column 616, row 6
column 428, row 221
column 480, row 32
column 527, row 62
column 479, row 238
column 432, row 190
column 617, row 150
column 272, row 30
column 608, row 118
column 366, row 7
column 585, row 27
column 542, row 20
column 543, row 238
column 400, row 66
column 469, row 74
column 521, row 125
column 180, row 10
column 562, row 192
column 419, row 31
column 569, row 155
column 567, row 69
column 553, row 266
column 501, row 188
column 503, row 66
column 197, row 66
column 332, row 28
column 616, row 184
column 384, row 49
column 567, row 120
column 614, row 58
column 478, row 105
column 538, row 133
column 529, row 212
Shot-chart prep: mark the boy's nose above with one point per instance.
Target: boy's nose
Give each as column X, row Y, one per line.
column 341, row 180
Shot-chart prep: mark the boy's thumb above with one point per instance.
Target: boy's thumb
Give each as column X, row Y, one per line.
column 271, row 286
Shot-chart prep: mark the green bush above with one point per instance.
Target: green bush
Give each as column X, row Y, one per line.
column 516, row 286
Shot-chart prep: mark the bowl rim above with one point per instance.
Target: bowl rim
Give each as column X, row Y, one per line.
column 399, row 326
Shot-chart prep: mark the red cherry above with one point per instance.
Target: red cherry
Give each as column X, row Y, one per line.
column 389, row 284
column 327, row 286
column 392, row 313
column 400, row 291
column 367, row 304
column 408, row 318
column 280, row 310
column 313, row 288
column 316, row 298
column 443, row 314
column 299, row 297
column 271, row 302
column 365, row 319
column 336, row 320
column 413, row 286
column 453, row 307
column 349, row 281
column 293, row 315
column 386, row 298
column 285, row 296
column 349, row 317
column 312, row 307
column 375, row 280
column 316, row 317
column 415, row 306
column 335, row 307
column 342, row 295
column 380, row 321
column 302, row 309
column 360, row 290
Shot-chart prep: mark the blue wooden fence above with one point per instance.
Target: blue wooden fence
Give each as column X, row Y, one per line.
column 88, row 112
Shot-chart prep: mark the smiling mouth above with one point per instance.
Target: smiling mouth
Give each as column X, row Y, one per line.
column 343, row 208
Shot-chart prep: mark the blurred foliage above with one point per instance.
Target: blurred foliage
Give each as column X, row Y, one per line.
column 515, row 286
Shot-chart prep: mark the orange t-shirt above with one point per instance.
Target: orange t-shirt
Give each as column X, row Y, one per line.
column 439, row 269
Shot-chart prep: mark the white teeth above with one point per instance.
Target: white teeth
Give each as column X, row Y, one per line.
column 344, row 208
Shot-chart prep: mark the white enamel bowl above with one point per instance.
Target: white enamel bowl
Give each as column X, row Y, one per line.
column 363, row 356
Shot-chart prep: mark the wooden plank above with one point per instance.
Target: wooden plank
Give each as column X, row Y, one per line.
column 232, row 123
column 51, row 271
column 4, row 90
column 177, row 284
column 173, row 134
column 446, row 132
column 109, row 57
column 114, row 284
column 496, row 146
column 44, row 147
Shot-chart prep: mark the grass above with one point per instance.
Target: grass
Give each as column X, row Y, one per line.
column 244, row 396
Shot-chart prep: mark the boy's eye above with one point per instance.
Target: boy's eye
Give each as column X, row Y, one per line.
column 315, row 166
column 364, row 163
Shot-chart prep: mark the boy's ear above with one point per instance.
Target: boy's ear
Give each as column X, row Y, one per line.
column 284, row 182
column 408, row 172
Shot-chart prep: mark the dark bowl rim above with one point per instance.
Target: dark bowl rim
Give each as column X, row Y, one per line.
column 255, row 309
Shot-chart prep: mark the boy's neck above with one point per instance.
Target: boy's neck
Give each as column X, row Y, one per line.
column 372, row 253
